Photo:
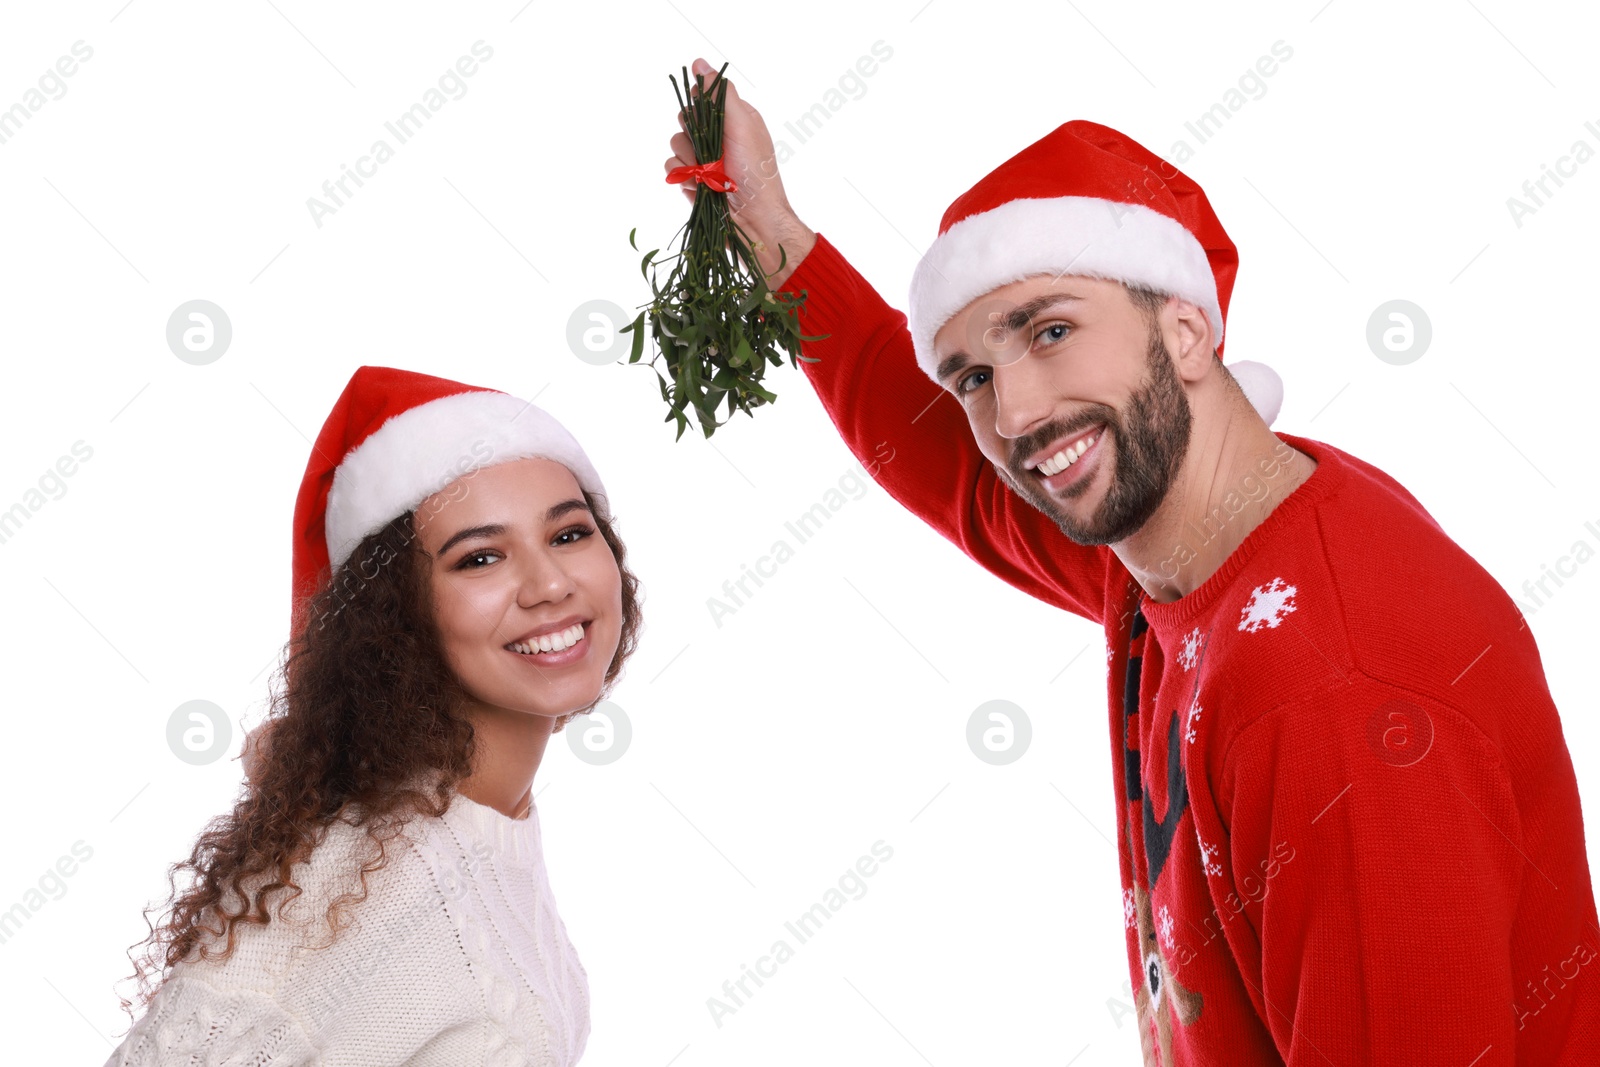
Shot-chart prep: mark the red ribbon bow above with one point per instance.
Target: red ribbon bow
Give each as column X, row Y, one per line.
column 708, row 174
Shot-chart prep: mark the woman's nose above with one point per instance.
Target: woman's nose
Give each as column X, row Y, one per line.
column 543, row 578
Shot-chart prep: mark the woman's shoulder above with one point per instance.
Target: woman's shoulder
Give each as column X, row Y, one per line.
column 310, row 979
column 363, row 892
column 375, row 872
column 360, row 868
column 398, row 865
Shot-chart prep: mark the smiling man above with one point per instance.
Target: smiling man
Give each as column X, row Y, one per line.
column 1106, row 334
column 1348, row 822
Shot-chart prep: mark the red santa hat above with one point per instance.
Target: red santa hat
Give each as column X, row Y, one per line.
column 1084, row 200
column 393, row 439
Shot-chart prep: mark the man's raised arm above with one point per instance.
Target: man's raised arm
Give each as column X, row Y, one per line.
column 869, row 383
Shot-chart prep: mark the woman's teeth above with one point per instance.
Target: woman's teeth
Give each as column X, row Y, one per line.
column 550, row 642
column 1065, row 458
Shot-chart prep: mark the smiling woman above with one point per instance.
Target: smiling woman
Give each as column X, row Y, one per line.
column 528, row 601
column 460, row 594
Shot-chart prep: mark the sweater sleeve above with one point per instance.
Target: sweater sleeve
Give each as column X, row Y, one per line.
column 191, row 1021
column 1376, row 845
column 915, row 441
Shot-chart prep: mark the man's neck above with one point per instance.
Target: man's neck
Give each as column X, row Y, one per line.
column 1235, row 473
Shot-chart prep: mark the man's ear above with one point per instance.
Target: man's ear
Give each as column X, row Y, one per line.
column 1188, row 334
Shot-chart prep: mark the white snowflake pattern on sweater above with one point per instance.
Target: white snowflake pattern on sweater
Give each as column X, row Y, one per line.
column 1269, row 605
column 1191, row 649
column 1189, row 733
column 1165, row 924
column 1128, row 910
column 1208, row 855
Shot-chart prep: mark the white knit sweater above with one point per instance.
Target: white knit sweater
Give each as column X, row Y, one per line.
column 457, row 958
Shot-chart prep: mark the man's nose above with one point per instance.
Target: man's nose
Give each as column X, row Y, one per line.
column 1023, row 398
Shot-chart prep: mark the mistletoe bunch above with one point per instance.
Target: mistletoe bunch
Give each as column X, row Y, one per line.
column 716, row 323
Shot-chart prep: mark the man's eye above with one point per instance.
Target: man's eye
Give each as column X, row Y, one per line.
column 1056, row 332
column 961, row 389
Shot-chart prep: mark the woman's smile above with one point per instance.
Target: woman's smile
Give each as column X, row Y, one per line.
column 574, row 642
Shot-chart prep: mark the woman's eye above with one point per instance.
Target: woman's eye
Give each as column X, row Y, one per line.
column 1054, row 337
column 578, row 533
column 581, row 531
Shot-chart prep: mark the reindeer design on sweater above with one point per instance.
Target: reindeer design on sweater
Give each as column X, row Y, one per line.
column 1161, row 998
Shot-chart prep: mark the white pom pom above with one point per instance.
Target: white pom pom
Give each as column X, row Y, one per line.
column 1261, row 386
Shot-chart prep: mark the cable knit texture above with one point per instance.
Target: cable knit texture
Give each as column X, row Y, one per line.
column 457, row 957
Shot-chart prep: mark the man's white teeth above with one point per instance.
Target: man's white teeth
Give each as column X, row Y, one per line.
column 550, row 642
column 1065, row 458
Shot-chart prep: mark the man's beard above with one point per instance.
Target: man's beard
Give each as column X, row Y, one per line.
column 1150, row 445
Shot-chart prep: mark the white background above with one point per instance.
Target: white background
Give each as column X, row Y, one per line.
column 829, row 712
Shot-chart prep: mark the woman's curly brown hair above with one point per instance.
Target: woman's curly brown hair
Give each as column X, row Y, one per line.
column 368, row 716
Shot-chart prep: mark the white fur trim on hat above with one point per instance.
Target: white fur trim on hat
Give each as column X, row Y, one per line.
column 420, row 451
column 1060, row 235
column 1261, row 386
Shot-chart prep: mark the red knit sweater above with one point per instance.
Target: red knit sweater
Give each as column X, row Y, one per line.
column 1349, row 826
